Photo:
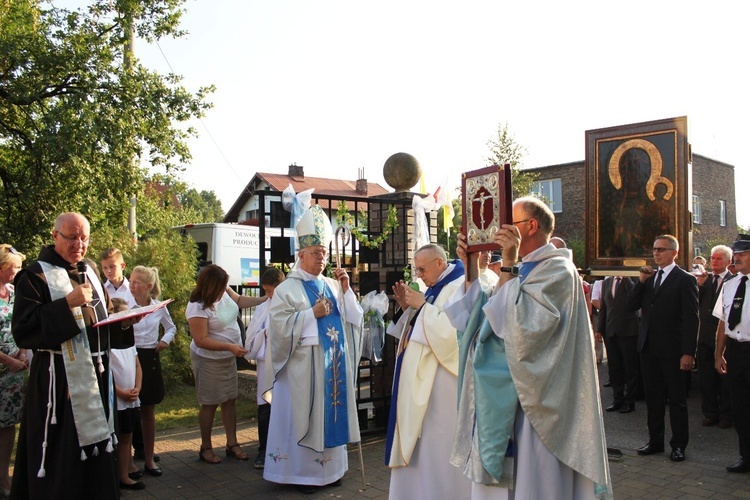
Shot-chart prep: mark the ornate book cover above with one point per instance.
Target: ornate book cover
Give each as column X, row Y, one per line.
column 487, row 204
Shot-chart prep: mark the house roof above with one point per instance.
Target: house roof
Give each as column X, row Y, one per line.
column 322, row 186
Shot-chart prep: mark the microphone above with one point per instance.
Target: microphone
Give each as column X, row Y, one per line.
column 81, row 266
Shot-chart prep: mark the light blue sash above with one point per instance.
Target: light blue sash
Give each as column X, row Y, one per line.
column 92, row 424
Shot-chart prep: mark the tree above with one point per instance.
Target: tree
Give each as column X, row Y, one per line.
column 504, row 149
column 161, row 246
column 205, row 204
column 75, row 121
column 78, row 118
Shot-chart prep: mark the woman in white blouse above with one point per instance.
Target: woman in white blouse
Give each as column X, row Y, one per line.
column 145, row 288
column 212, row 317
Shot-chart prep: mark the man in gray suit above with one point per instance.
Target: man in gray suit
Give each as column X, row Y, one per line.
column 618, row 327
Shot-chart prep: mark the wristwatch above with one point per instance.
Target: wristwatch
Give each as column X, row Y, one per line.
column 513, row 270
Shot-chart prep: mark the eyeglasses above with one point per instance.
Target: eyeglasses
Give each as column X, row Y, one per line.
column 520, row 221
column 318, row 253
column 421, row 270
column 661, row 249
column 72, row 240
column 11, row 250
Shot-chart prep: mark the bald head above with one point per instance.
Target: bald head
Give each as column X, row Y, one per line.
column 72, row 236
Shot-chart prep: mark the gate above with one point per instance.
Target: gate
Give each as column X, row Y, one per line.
column 369, row 269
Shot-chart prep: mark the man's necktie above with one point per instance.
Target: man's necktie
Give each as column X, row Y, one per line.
column 657, row 283
column 717, row 280
column 615, row 282
column 735, row 312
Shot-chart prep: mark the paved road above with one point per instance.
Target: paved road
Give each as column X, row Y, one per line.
column 702, row 475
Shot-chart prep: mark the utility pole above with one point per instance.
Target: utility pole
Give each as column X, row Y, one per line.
column 128, row 64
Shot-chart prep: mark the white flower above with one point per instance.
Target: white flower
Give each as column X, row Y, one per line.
column 333, row 334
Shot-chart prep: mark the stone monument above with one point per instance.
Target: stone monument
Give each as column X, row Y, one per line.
column 402, row 171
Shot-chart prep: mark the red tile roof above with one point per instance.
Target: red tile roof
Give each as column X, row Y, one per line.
column 338, row 187
column 322, row 185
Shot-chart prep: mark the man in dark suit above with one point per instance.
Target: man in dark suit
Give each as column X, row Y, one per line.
column 618, row 327
column 714, row 386
column 668, row 300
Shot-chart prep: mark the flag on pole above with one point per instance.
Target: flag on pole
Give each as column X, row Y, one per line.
column 443, row 200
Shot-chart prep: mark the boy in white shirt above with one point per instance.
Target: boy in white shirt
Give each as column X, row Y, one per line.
column 255, row 344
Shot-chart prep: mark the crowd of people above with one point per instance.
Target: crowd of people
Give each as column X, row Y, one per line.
column 665, row 324
column 482, row 383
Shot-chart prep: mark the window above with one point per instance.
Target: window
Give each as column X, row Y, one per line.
column 550, row 190
column 722, row 213
column 696, row 209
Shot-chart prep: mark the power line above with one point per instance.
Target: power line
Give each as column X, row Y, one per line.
column 210, row 135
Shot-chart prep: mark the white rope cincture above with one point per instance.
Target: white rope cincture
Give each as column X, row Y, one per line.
column 53, row 380
column 42, row 471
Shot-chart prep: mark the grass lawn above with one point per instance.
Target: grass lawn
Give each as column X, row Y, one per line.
column 180, row 409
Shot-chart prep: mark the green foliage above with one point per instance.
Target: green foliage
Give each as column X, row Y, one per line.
column 205, row 204
column 78, row 115
column 578, row 246
column 176, row 258
column 180, row 409
column 504, row 149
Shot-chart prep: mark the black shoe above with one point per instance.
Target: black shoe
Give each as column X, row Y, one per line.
column 336, row 483
column 138, row 485
column 724, row 424
column 650, row 449
column 614, row 407
column 306, row 489
column 607, row 384
column 677, row 455
column 742, row 465
column 156, row 471
column 709, row 421
column 627, row 408
column 260, row 460
column 136, row 475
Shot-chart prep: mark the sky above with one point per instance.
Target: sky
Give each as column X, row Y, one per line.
column 336, row 86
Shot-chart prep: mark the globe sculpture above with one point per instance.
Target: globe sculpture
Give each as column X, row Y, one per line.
column 402, row 171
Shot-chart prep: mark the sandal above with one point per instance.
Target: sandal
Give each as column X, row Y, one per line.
column 241, row 455
column 211, row 459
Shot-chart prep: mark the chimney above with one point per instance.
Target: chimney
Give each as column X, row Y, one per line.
column 296, row 171
column 361, row 182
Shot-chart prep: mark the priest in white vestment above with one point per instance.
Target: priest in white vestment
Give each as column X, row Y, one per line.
column 530, row 422
column 312, row 352
column 423, row 401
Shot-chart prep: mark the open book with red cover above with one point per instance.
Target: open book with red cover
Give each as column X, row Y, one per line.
column 133, row 313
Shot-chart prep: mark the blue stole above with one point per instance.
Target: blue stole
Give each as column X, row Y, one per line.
column 430, row 296
column 332, row 339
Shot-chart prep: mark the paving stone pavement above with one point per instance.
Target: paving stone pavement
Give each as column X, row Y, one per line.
column 653, row 477
column 702, row 475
